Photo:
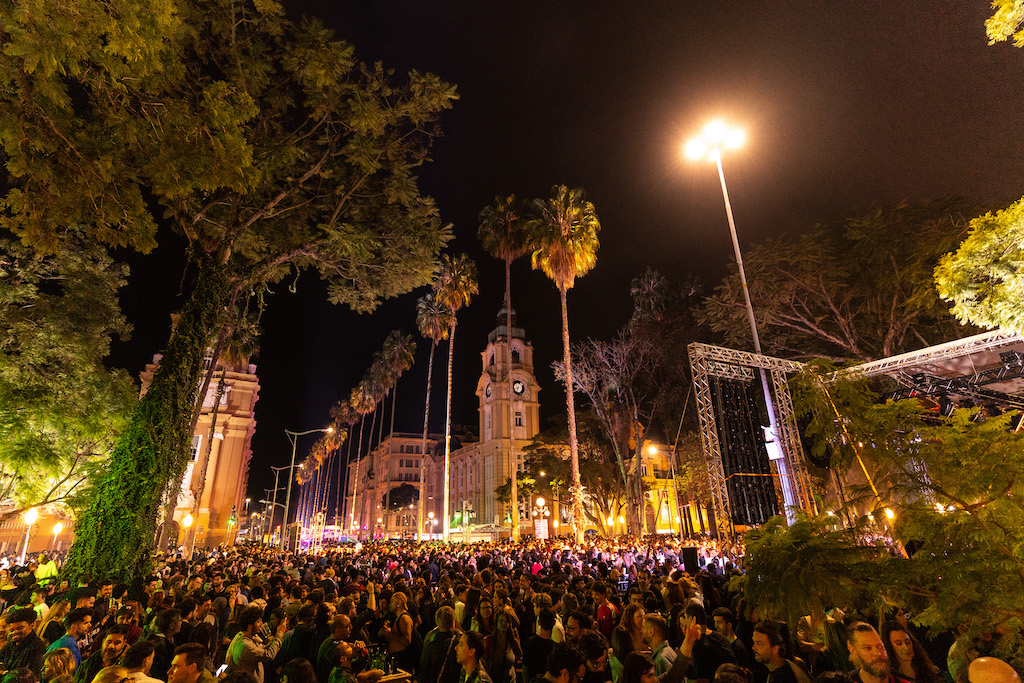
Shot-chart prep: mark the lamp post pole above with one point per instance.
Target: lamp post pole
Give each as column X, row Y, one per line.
column 294, row 438
column 709, row 145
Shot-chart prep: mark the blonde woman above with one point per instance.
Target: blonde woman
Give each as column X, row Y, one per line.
column 52, row 627
column 60, row 662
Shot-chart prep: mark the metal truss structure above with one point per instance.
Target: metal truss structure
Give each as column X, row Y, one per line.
column 708, row 361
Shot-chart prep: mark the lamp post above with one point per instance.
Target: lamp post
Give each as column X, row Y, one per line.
column 187, row 523
column 717, row 137
column 57, row 528
column 31, row 515
column 294, row 438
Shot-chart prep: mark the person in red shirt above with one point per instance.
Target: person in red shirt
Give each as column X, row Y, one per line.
column 606, row 612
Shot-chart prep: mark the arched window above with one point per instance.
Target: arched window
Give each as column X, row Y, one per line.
column 515, row 355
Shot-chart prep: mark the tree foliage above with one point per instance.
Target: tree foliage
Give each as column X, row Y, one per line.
column 1005, row 22
column 956, row 486
column 263, row 141
column 984, row 277
column 858, row 290
column 60, row 407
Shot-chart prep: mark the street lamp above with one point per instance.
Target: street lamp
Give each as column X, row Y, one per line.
column 294, row 438
column 57, row 528
column 31, row 515
column 187, row 523
column 717, row 137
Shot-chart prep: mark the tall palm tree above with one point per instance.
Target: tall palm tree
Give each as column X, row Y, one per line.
column 565, row 228
column 433, row 320
column 455, row 285
column 343, row 414
column 362, row 402
column 504, row 234
column 398, row 353
column 378, row 380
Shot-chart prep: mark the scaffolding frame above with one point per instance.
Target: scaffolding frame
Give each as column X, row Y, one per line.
column 708, row 361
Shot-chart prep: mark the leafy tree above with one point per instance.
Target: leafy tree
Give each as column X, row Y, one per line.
column 433, row 320
column 955, row 485
column 362, row 401
column 859, row 290
column 263, row 141
column 564, row 230
column 983, row 276
column 504, row 234
column 1005, row 22
column 61, row 409
column 455, row 285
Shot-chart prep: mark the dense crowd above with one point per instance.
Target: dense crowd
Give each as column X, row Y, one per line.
column 534, row 612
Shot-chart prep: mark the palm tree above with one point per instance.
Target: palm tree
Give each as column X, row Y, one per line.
column 433, row 320
column 362, row 402
column 343, row 414
column 565, row 228
column 455, row 285
column 503, row 233
column 398, row 353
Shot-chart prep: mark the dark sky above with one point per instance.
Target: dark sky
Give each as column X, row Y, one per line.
column 845, row 104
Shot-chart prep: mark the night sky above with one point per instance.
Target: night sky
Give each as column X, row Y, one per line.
column 845, row 105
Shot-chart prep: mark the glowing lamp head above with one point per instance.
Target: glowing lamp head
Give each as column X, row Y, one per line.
column 430, row 515
column 652, row 450
column 622, row 520
column 890, row 514
column 31, row 516
column 57, row 528
column 716, row 137
column 329, row 430
column 540, row 502
column 187, row 522
column 610, row 520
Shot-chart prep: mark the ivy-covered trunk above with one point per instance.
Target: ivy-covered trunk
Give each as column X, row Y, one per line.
column 115, row 535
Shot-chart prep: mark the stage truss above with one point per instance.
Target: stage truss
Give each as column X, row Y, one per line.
column 707, row 361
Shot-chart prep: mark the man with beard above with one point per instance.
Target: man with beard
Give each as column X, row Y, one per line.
column 768, row 649
column 24, row 648
column 868, row 654
column 114, row 645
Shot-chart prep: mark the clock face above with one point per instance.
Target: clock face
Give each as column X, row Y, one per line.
column 487, row 391
column 518, row 387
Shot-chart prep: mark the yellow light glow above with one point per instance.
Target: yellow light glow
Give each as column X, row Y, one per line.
column 31, row 516
column 610, row 521
column 555, row 523
column 430, row 515
column 622, row 520
column 379, row 520
column 187, row 522
column 890, row 514
column 57, row 528
column 716, row 136
column 652, row 450
column 540, row 502
column 329, row 430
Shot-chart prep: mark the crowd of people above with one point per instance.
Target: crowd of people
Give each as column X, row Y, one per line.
column 640, row 611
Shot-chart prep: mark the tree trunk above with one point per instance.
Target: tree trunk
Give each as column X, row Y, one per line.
column 445, row 512
column 355, row 484
column 426, row 426
column 391, row 441
column 570, row 405
column 339, row 500
column 373, row 469
column 512, row 459
column 115, row 537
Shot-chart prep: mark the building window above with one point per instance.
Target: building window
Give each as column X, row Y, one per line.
column 519, row 418
column 643, row 470
column 515, row 355
column 490, row 361
column 197, row 440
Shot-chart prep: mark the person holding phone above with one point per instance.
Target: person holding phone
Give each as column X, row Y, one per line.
column 248, row 650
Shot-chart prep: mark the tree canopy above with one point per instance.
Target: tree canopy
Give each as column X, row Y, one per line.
column 60, row 407
column 984, row 277
column 263, row 141
column 861, row 289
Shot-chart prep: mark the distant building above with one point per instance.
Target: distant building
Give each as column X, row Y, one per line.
column 227, row 472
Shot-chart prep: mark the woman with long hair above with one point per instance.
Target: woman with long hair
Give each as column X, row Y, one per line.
column 633, row 621
column 907, row 658
column 483, row 620
column 622, row 646
column 51, row 627
column 503, row 648
column 59, row 662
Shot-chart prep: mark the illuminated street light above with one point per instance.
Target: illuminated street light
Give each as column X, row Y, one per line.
column 31, row 515
column 57, row 528
column 717, row 137
column 890, row 514
column 294, row 438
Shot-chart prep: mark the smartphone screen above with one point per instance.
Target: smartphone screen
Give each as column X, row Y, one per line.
column 222, row 669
